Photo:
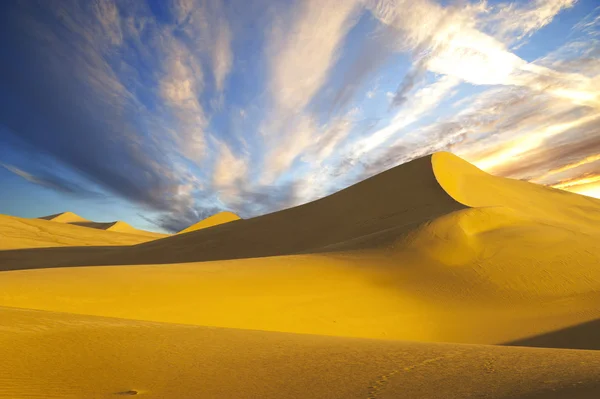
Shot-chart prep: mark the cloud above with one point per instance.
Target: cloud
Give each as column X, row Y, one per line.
column 542, row 128
column 447, row 41
column 303, row 50
column 132, row 97
column 115, row 96
column 586, row 179
column 419, row 104
column 230, row 173
column 180, row 88
column 514, row 22
column 374, row 51
column 222, row 56
column 588, row 185
column 208, row 33
column 55, row 183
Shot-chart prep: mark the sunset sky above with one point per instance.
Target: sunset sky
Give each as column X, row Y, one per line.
column 161, row 113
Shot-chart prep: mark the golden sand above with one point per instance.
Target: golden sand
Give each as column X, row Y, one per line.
column 118, row 226
column 57, row 355
column 17, row 233
column 214, row 220
column 317, row 300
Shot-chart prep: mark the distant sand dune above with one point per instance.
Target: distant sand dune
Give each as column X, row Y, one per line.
column 435, row 251
column 214, row 220
column 118, row 226
column 18, row 233
column 65, row 217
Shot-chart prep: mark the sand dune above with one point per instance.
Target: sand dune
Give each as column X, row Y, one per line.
column 400, row 199
column 18, row 233
column 433, row 251
column 214, row 220
column 118, row 226
column 65, row 217
column 53, row 355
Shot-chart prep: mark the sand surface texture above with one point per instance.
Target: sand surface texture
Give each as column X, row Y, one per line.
column 426, row 281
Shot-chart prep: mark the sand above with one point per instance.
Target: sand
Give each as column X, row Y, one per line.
column 322, row 300
column 214, row 220
column 18, row 233
column 54, row 355
column 118, row 226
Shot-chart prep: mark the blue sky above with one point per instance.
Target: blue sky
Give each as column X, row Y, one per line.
column 161, row 113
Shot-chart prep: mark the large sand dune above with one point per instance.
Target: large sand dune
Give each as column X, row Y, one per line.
column 433, row 251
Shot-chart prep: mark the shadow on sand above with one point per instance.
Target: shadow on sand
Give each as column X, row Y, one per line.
column 581, row 336
column 42, row 258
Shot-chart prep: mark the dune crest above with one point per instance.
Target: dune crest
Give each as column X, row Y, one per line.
column 20, row 233
column 474, row 188
column 214, row 220
column 65, row 217
column 118, row 226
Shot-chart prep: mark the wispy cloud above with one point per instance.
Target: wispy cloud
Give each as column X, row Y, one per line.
column 127, row 106
column 419, row 104
column 54, row 182
column 303, row 47
column 513, row 22
column 207, row 32
column 180, row 89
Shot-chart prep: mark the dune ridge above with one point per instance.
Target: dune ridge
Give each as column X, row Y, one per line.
column 65, row 217
column 214, row 220
column 22, row 234
column 118, row 226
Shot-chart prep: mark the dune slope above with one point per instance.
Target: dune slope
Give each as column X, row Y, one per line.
column 65, row 217
column 118, row 226
column 19, row 233
column 476, row 189
column 399, row 199
column 58, row 355
column 214, row 220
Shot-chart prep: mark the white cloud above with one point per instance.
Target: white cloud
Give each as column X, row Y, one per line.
column 230, row 173
column 302, row 48
column 208, row 31
column 222, row 55
column 514, row 22
column 108, row 16
column 180, row 88
column 447, row 41
column 298, row 135
column 303, row 51
column 418, row 105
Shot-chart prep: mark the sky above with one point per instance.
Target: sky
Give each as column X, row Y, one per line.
column 163, row 112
